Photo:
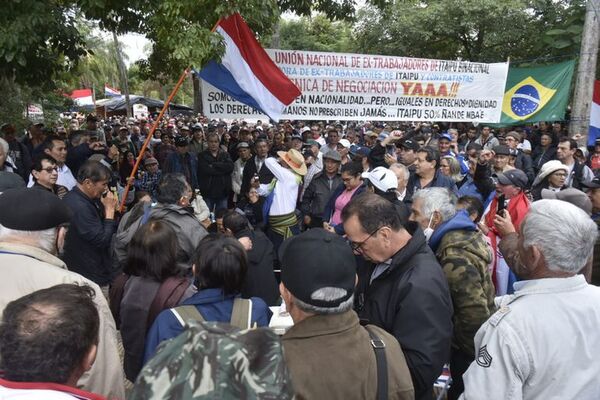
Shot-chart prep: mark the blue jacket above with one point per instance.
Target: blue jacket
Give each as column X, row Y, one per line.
column 330, row 207
column 439, row 180
column 174, row 164
column 213, row 304
column 460, row 221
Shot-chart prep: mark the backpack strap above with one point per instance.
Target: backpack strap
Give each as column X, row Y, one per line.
column 115, row 295
column 186, row 313
column 241, row 315
column 169, row 294
column 382, row 374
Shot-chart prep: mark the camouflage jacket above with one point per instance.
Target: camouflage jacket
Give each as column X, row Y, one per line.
column 216, row 361
column 465, row 256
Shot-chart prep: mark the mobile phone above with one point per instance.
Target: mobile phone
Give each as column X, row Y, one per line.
column 501, row 205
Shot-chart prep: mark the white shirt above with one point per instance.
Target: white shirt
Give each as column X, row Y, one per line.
column 286, row 189
column 65, row 178
column 542, row 344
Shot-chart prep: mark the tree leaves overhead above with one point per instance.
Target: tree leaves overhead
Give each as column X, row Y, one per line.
column 475, row 30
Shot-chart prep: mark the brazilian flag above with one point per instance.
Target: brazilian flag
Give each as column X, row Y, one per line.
column 537, row 94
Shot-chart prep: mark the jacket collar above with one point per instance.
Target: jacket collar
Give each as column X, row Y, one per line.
column 208, row 296
column 549, row 285
column 321, row 325
column 415, row 244
column 33, row 252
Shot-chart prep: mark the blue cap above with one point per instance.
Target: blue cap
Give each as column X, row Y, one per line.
column 362, row 151
column 446, row 136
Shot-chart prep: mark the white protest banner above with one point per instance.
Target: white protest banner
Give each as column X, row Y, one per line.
column 140, row 111
column 355, row 87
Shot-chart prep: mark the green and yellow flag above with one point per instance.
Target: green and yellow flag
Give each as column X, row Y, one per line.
column 537, row 94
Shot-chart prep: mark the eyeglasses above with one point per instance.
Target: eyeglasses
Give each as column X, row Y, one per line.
column 50, row 169
column 564, row 174
column 355, row 246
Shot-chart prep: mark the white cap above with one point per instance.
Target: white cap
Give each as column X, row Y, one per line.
column 382, row 178
column 305, row 129
column 345, row 143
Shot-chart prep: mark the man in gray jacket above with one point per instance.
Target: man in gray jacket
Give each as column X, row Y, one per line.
column 173, row 195
column 320, row 189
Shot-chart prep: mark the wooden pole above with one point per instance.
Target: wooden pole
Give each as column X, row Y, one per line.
column 149, row 138
column 154, row 127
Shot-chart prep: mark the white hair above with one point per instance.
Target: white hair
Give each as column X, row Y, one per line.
column 4, row 145
column 45, row 239
column 400, row 168
column 326, row 294
column 436, row 199
column 563, row 233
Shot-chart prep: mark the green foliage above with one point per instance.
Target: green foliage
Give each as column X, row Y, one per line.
column 475, row 30
column 317, row 34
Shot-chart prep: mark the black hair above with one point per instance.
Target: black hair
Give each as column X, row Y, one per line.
column 95, row 171
column 431, row 154
column 474, row 146
column 373, row 212
column 472, row 205
column 170, row 188
column 37, row 161
column 48, row 143
column 45, row 335
column 152, row 252
column 353, row 168
column 221, row 263
column 572, row 142
column 76, row 136
column 235, row 222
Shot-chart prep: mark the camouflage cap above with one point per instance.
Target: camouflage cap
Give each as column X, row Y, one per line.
column 212, row 360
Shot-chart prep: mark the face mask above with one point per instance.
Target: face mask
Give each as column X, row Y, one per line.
column 429, row 230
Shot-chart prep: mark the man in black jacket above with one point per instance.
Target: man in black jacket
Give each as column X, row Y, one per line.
column 93, row 224
column 256, row 165
column 260, row 278
column 401, row 286
column 214, row 174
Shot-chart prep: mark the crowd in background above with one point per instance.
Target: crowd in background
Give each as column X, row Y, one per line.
column 436, row 237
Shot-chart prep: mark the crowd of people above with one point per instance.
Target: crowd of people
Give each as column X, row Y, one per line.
column 396, row 249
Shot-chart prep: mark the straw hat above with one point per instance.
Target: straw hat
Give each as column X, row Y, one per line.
column 294, row 159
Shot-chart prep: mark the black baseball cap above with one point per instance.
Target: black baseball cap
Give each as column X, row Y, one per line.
column 331, row 265
column 410, row 144
column 181, row 141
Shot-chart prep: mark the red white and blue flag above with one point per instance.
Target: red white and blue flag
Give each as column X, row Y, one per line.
column 82, row 97
column 111, row 92
column 595, row 116
column 247, row 73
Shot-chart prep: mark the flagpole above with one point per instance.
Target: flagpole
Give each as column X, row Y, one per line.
column 149, row 138
column 153, row 129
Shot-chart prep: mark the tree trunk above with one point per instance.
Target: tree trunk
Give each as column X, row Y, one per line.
column 123, row 73
column 584, row 86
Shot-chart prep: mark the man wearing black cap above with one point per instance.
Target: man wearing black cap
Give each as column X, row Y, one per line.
column 401, row 286
column 329, row 354
column 183, row 162
column 29, row 237
column 510, row 197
